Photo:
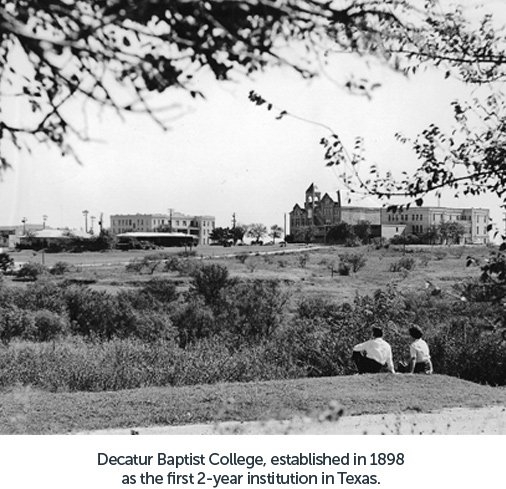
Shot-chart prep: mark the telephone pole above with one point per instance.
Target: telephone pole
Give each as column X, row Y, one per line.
column 85, row 214
column 234, row 222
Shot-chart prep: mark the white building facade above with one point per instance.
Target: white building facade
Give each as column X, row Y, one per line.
column 174, row 222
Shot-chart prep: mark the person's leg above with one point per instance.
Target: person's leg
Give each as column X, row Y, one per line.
column 365, row 365
column 422, row 368
column 358, row 358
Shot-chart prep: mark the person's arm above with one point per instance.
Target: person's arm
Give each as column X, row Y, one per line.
column 411, row 367
column 412, row 360
column 359, row 347
column 431, row 369
column 390, row 361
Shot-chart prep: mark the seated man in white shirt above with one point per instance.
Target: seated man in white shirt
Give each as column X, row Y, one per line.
column 374, row 354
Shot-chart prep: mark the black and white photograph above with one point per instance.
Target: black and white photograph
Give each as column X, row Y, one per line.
column 252, row 217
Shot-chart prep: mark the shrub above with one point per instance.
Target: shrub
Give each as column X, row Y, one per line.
column 242, row 257
column 209, row 280
column 356, row 261
column 251, row 309
column 379, row 243
column 439, row 255
column 31, row 271
column 43, row 294
column 48, row 325
column 343, row 268
column 193, row 321
column 60, row 268
column 352, row 242
column 6, row 263
column 99, row 314
column 303, row 259
column 152, row 326
column 15, row 323
column 162, row 290
column 405, row 263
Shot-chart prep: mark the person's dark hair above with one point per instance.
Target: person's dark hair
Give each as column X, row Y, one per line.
column 377, row 332
column 415, row 332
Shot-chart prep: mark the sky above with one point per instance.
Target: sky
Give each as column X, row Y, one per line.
column 225, row 155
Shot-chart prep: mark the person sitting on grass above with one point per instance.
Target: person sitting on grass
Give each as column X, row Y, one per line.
column 419, row 354
column 373, row 355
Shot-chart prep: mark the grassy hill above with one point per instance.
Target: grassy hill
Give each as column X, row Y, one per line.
column 29, row 411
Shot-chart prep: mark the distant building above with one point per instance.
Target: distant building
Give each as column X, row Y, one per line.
column 321, row 213
column 10, row 235
column 420, row 220
column 174, row 222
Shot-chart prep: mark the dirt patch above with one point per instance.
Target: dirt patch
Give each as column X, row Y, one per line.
column 456, row 421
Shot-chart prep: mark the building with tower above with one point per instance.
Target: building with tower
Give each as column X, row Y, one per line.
column 318, row 214
column 321, row 213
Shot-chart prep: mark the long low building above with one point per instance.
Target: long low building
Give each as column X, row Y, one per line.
column 127, row 240
column 173, row 222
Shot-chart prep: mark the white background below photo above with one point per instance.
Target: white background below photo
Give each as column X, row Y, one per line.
column 394, row 462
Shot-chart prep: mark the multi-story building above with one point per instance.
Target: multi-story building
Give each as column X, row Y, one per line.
column 321, row 213
column 420, row 220
column 175, row 222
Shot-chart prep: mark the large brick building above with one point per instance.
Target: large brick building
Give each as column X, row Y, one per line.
column 321, row 213
column 176, row 222
column 419, row 220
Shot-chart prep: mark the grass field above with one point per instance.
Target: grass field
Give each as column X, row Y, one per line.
column 34, row 412
column 311, row 277
column 303, row 272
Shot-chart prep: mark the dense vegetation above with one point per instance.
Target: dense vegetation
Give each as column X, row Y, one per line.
column 58, row 335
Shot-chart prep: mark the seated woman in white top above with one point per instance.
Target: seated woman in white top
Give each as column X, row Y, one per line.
column 419, row 354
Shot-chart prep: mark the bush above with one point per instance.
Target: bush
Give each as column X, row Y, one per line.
column 354, row 261
column 251, row 309
column 43, row 294
column 405, row 263
column 60, row 268
column 15, row 323
column 242, row 257
column 48, row 326
column 99, row 314
column 6, row 263
column 160, row 289
column 193, row 321
column 343, row 268
column 303, row 259
column 31, row 271
column 209, row 280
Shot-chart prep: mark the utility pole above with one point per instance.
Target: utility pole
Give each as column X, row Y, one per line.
column 24, row 225
column 170, row 220
column 44, row 219
column 234, row 222
column 85, row 214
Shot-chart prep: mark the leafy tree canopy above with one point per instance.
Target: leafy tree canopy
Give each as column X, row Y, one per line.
column 57, row 50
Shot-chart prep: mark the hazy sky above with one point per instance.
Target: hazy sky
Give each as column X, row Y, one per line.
column 227, row 155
